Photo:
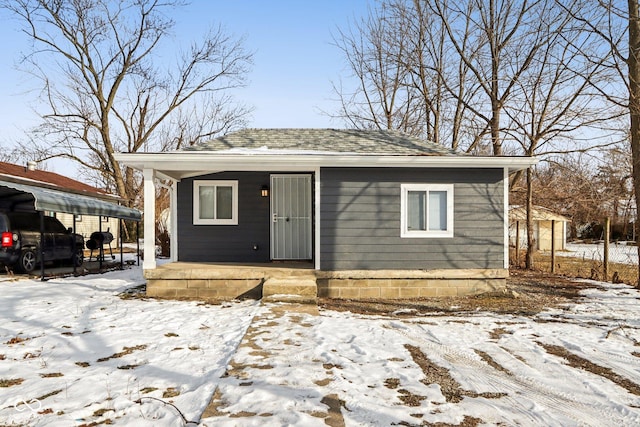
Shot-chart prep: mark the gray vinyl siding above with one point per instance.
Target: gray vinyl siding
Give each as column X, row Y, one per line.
column 226, row 243
column 360, row 220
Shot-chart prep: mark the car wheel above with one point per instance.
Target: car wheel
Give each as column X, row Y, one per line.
column 78, row 258
column 27, row 261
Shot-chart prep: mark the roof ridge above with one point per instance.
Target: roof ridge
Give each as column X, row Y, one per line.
column 44, row 177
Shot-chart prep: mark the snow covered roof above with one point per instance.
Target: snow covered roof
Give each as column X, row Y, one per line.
column 323, row 141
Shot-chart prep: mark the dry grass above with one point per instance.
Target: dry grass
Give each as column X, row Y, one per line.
column 124, row 352
column 11, row 382
column 171, row 392
column 16, row 340
column 583, row 268
column 530, row 292
column 52, row 375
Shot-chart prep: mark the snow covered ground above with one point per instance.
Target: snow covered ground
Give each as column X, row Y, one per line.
column 72, row 352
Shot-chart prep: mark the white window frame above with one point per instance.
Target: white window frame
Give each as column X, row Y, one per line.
column 404, row 231
column 196, row 202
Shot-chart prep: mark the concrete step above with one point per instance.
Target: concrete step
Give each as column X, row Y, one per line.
column 290, row 289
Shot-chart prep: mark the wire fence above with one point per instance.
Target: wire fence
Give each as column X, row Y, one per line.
column 616, row 262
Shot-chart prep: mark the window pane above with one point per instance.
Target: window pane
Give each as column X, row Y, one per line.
column 206, row 202
column 416, row 210
column 438, row 210
column 224, row 202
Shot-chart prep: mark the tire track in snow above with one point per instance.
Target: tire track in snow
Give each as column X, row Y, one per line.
column 623, row 364
column 561, row 403
column 576, row 361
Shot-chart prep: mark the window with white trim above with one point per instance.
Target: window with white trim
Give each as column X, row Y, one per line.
column 426, row 210
column 215, row 202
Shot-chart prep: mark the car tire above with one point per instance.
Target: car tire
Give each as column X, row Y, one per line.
column 28, row 260
column 78, row 259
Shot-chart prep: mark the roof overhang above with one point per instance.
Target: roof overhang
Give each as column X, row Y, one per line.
column 14, row 196
column 178, row 165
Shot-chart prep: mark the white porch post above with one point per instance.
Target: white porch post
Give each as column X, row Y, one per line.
column 505, row 178
column 317, row 219
column 173, row 220
column 149, row 261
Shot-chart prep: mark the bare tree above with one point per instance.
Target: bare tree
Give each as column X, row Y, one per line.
column 105, row 92
column 445, row 70
column 633, row 66
column 405, row 73
column 584, row 186
column 614, row 178
column 566, row 184
column 425, row 63
column 508, row 36
column 618, row 27
column 555, row 100
column 375, row 49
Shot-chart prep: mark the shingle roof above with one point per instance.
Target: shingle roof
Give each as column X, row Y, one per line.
column 365, row 142
column 36, row 177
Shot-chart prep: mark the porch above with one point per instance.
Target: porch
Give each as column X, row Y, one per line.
column 226, row 281
column 300, row 282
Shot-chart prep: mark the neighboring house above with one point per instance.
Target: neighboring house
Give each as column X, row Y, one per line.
column 85, row 224
column 363, row 213
column 543, row 219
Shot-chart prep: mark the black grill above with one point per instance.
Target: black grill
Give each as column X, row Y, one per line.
column 97, row 241
column 102, row 237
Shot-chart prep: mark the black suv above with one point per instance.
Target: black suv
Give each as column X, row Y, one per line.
column 20, row 241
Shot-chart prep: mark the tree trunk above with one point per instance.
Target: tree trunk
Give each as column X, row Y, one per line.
column 530, row 242
column 633, row 64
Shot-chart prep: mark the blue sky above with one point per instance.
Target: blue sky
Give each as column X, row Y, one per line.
column 294, row 60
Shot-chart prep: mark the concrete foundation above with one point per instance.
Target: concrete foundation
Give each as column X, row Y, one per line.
column 298, row 282
column 401, row 284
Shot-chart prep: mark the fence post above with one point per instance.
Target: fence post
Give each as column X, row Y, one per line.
column 553, row 246
column 607, row 226
column 518, row 244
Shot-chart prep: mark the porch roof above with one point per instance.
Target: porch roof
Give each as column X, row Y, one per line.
column 308, row 149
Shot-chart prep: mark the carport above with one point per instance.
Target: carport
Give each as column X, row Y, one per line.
column 22, row 197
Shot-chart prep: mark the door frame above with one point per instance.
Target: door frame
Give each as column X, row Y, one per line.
column 310, row 229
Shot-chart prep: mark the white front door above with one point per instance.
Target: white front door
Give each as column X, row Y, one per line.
column 291, row 217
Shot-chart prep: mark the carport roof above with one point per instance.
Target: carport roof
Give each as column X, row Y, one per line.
column 22, row 196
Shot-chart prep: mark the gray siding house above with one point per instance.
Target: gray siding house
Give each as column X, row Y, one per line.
column 330, row 213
